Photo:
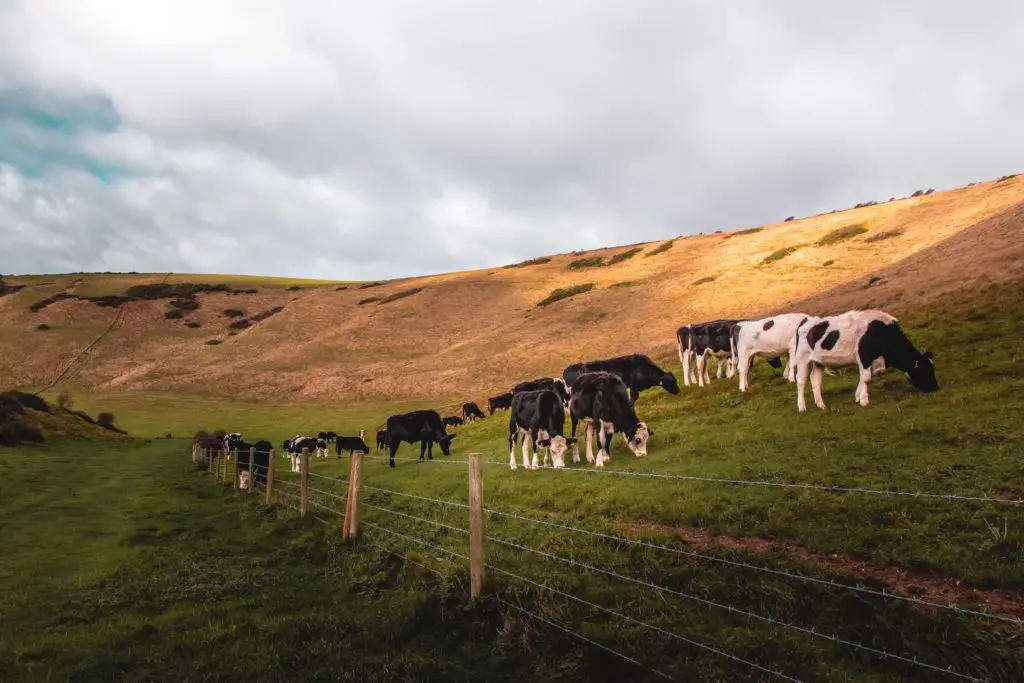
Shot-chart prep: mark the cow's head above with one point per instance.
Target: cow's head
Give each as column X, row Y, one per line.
column 244, row 478
column 668, row 383
column 557, row 446
column 637, row 441
column 231, row 440
column 321, row 444
column 922, row 373
column 446, row 443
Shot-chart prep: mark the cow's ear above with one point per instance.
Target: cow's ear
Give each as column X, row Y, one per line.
column 927, row 354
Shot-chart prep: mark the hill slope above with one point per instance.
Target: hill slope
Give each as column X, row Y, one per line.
column 462, row 335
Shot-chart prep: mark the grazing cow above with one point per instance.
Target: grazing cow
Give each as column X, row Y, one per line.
column 701, row 341
column 260, row 461
column 295, row 445
column 638, row 373
column 452, row 421
column 600, row 399
column 768, row 337
column 471, row 411
column 555, row 384
column 225, row 448
column 382, row 439
column 504, row 401
column 539, row 416
column 424, row 426
column 350, row 444
column 872, row 340
column 327, row 436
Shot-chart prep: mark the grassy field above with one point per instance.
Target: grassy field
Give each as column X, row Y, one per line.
column 150, row 570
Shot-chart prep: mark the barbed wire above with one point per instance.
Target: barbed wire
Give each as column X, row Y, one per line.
column 411, row 495
column 324, row 476
column 418, row 519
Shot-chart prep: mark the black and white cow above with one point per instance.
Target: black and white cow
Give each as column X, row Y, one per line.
column 424, row 426
column 702, row 341
column 768, row 337
column 872, row 340
column 230, row 436
column 294, row 446
column 350, row 444
column 503, row 401
column 539, row 417
column 471, row 411
column 555, row 384
column 382, row 439
column 255, row 471
column 601, row 400
column 637, row 372
column 452, row 421
column 327, row 436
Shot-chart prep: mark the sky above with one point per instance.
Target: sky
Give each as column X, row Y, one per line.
column 354, row 140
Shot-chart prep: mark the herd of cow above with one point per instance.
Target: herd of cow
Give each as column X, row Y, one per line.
column 602, row 394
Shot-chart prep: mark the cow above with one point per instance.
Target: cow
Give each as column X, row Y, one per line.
column 382, row 439
column 295, row 445
column 638, row 373
column 350, row 444
column 870, row 339
column 767, row 337
column 700, row 341
column 471, row 411
column 601, row 400
column 555, row 384
column 539, row 416
column 256, row 471
column 452, row 421
column 327, row 436
column 228, row 437
column 504, row 401
column 424, row 426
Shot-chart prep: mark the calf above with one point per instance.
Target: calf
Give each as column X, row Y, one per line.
column 471, row 411
column 256, row 470
column 350, row 444
column 499, row 402
column 768, row 337
column 295, row 445
column 382, row 439
column 555, row 384
column 539, row 413
column 452, row 421
column 871, row 340
column 637, row 372
column 424, row 426
column 600, row 399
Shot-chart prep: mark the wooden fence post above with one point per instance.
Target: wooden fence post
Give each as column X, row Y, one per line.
column 350, row 528
column 303, row 476
column 252, row 469
column 476, row 525
column 224, row 466
column 235, row 482
column 270, row 478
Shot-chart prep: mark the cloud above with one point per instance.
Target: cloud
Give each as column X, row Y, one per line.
column 335, row 140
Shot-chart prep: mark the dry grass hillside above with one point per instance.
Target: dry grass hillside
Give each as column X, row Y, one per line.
column 468, row 334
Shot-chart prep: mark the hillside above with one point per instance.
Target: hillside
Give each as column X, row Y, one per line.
column 462, row 335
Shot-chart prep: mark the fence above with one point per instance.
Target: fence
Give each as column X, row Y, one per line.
column 305, row 497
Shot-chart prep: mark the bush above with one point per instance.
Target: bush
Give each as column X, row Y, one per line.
column 704, row 280
column 174, row 314
column 368, row 285
column 168, row 436
column 884, row 235
column 828, row 263
column 369, row 300
column 623, row 285
column 929, row 191
column 105, row 420
column 185, row 304
column 17, row 433
column 580, row 264
column 918, row 193
column 340, row 289
column 40, row 305
column 748, row 231
column 400, row 295
column 624, row 255
column 213, row 342
column 779, row 254
column 1004, row 178
column 565, row 293
column 64, row 401
column 193, row 325
column 530, row 262
column 266, row 314
column 240, row 324
column 662, row 248
column 790, row 218
column 294, row 288
column 842, row 234
column 42, row 327
column 232, row 313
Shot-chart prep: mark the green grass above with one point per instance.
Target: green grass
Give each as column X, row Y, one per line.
column 565, row 293
column 624, row 255
column 135, row 541
column 780, row 254
column 842, row 234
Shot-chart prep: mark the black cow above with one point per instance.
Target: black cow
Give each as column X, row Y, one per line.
column 382, row 439
column 424, row 426
column 257, row 469
column 555, row 384
column 471, row 411
column 350, row 444
column 602, row 401
column 637, row 372
column 452, row 421
column 499, row 402
column 539, row 416
column 699, row 341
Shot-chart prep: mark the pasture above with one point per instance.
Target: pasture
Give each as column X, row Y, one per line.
column 131, row 550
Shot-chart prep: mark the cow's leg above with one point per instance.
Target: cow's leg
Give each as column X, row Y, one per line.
column 683, row 353
column 862, row 386
column 512, row 434
column 801, row 386
column 817, row 373
column 744, row 367
column 590, row 443
column 720, row 367
column 533, row 440
column 430, row 449
column 633, row 395
column 602, row 444
column 609, row 430
column 526, row 450
column 392, row 449
column 699, row 360
column 576, row 445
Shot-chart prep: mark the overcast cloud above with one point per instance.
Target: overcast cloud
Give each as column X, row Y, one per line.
column 366, row 140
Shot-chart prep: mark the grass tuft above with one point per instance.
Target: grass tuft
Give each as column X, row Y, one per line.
column 565, row 293
column 624, row 255
column 842, row 234
column 704, row 280
column 661, row 248
column 400, row 295
column 592, row 262
column 740, row 233
column 780, row 254
column 884, row 235
column 530, row 262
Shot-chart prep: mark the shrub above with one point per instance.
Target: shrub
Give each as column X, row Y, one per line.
column 168, row 436
column 790, row 218
column 779, row 254
column 662, row 248
column 580, row 264
column 266, row 314
column 40, row 305
column 842, row 234
column 369, row 300
column 105, row 420
column 193, row 325
column 294, row 288
column 530, row 262
column 367, row 285
column 565, row 293
column 400, row 295
column 212, row 342
column 340, row 289
column 233, row 313
column 42, row 327
column 185, row 304
column 704, row 280
column 1005, row 177
column 174, row 314
column 6, row 289
column 240, row 324
column 624, row 255
column 918, row 193
column 64, row 401
column 623, row 285
column 929, row 191
column 873, row 279
column 884, row 235
column 828, row 263
column 737, row 233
